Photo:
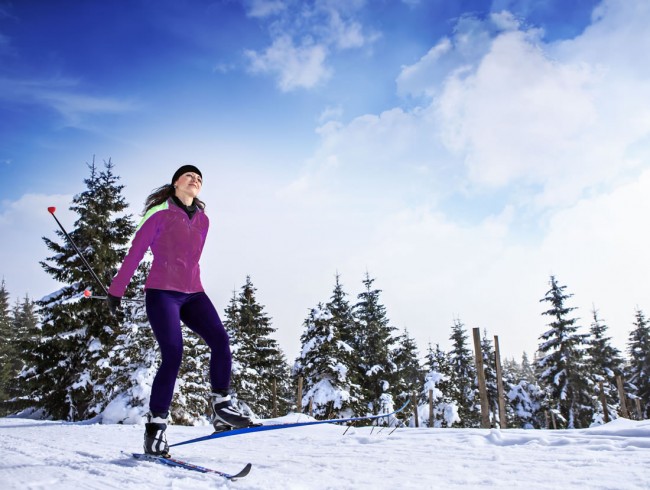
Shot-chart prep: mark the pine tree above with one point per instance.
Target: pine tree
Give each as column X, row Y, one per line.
column 8, row 353
column 638, row 369
column 26, row 335
column 525, row 404
column 464, row 389
column 257, row 357
column 134, row 359
column 527, row 369
column 562, row 368
column 409, row 374
column 438, row 360
column 343, row 322
column 437, row 387
column 489, row 370
column 190, row 403
column 373, row 343
column 26, row 331
column 603, row 363
column 524, row 397
column 72, row 360
column 323, row 366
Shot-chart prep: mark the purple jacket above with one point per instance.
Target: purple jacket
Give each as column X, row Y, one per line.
column 176, row 243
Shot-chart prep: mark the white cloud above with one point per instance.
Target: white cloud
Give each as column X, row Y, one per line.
column 330, row 113
column 462, row 52
column 556, row 135
column 547, row 122
column 303, row 36
column 294, row 66
column 264, row 8
column 520, row 116
column 345, row 34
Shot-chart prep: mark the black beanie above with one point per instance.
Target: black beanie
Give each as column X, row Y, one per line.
column 184, row 169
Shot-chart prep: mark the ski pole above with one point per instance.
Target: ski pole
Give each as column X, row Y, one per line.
column 52, row 209
column 90, row 295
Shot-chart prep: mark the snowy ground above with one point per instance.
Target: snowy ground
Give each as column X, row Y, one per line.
column 55, row 455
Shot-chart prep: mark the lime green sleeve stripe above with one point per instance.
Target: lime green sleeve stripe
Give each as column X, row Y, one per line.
column 151, row 212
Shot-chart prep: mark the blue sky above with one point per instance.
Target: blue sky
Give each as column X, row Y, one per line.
column 459, row 151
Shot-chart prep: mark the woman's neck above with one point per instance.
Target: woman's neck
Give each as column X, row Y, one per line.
column 185, row 199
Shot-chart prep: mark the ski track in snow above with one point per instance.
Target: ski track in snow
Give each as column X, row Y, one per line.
column 56, row 456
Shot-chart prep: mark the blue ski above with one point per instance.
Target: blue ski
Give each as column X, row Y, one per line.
column 190, row 466
column 261, row 428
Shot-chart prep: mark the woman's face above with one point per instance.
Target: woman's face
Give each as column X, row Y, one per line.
column 189, row 184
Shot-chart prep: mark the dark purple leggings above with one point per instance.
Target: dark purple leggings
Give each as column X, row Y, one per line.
column 166, row 310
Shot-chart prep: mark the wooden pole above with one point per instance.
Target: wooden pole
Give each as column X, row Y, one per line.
column 311, row 407
column 414, row 401
column 299, row 404
column 478, row 354
column 639, row 412
column 430, row 408
column 603, row 401
column 275, row 398
column 622, row 397
column 500, row 394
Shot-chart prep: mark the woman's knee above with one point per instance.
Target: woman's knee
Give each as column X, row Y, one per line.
column 172, row 354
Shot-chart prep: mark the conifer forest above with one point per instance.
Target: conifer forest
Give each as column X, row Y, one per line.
column 65, row 357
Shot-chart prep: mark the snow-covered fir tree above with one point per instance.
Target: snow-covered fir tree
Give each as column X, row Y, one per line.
column 25, row 331
column 71, row 360
column 490, row 372
column 257, row 357
column 343, row 322
column 323, row 364
column 373, row 344
column 524, row 397
column 134, row 358
column 8, row 352
column 561, row 365
column 438, row 360
column 637, row 372
column 191, row 396
column 527, row 369
column 603, row 363
column 409, row 374
column 436, row 387
column 463, row 384
column 525, row 402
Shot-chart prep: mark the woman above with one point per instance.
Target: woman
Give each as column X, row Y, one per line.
column 175, row 226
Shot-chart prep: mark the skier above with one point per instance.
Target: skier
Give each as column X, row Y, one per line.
column 174, row 226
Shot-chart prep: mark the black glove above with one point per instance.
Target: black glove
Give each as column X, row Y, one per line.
column 113, row 303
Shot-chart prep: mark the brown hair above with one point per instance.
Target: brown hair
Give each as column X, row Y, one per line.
column 161, row 194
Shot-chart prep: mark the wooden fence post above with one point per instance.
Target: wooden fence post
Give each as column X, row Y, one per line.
column 622, row 397
column 478, row 354
column 414, row 401
column 639, row 412
column 603, row 401
column 275, row 398
column 299, row 404
column 430, row 408
column 500, row 394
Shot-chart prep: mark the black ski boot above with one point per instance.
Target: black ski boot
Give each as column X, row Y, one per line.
column 225, row 415
column 155, row 440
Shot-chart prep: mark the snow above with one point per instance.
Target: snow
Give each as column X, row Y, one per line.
column 36, row 454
